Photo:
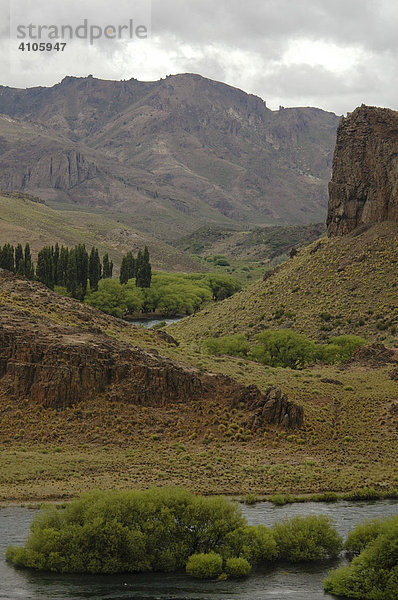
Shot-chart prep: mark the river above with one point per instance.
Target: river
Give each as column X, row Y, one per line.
column 151, row 322
column 285, row 581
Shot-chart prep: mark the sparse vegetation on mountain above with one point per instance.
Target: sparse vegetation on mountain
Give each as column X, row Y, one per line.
column 337, row 286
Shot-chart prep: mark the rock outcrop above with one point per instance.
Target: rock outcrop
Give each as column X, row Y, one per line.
column 375, row 355
column 58, row 365
column 272, row 407
column 364, row 185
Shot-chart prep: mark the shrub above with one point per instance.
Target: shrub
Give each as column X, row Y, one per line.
column 347, row 344
column 223, row 286
column 306, row 538
column 373, row 575
column 127, row 531
column 204, row 566
column 255, row 544
column 237, row 567
column 364, row 493
column 279, row 499
column 249, row 499
column 284, row 348
column 362, row 535
column 235, row 345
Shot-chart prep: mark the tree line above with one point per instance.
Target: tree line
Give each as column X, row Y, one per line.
column 71, row 268
column 139, row 268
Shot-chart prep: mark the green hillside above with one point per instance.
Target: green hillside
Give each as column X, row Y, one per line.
column 22, row 220
column 334, row 286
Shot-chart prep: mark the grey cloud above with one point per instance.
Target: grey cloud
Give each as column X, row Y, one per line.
column 260, row 31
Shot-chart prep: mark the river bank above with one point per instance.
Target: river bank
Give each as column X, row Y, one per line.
column 59, row 472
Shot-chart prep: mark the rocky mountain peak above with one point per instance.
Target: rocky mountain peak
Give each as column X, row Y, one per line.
column 364, row 185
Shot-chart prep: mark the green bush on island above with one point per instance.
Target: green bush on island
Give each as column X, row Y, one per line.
column 362, row 535
column 164, row 529
column 204, row 566
column 169, row 294
column 254, row 543
column 237, row 567
column 284, row 348
column 127, row 531
column 373, row 574
column 306, row 538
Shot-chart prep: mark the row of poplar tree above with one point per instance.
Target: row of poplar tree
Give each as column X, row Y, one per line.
column 138, row 267
column 73, row 268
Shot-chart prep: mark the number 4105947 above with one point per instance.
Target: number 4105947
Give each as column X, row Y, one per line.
column 41, row 46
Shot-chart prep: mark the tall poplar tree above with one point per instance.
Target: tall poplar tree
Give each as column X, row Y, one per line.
column 107, row 267
column 94, row 269
column 45, row 267
column 28, row 263
column 19, row 260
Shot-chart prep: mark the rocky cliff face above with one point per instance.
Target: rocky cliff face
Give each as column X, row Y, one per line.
column 364, row 185
column 185, row 148
column 59, row 365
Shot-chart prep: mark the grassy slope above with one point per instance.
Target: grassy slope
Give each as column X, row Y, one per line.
column 24, row 221
column 349, row 437
column 256, row 244
column 248, row 252
column 351, row 281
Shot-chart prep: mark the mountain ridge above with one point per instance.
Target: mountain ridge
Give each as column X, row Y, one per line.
column 172, row 154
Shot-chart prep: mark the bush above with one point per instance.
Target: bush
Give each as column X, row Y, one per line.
column 223, row 286
column 373, row 575
column 284, row 348
column 364, row 493
column 343, row 347
column 127, row 531
column 362, row 535
column 234, row 345
column 237, row 567
column 306, row 538
column 255, row 544
column 280, row 499
column 204, row 566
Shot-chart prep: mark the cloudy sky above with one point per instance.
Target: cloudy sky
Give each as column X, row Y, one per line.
column 333, row 54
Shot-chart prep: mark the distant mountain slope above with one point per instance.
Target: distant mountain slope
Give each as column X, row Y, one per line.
column 336, row 285
column 171, row 154
column 256, row 244
column 22, row 220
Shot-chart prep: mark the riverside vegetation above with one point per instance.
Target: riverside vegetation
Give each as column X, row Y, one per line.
column 170, row 529
column 84, row 276
column 165, row 529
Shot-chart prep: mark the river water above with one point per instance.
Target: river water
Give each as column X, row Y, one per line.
column 151, row 322
column 285, row 581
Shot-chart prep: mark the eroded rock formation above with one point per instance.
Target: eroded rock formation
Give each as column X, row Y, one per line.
column 364, row 185
column 58, row 365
